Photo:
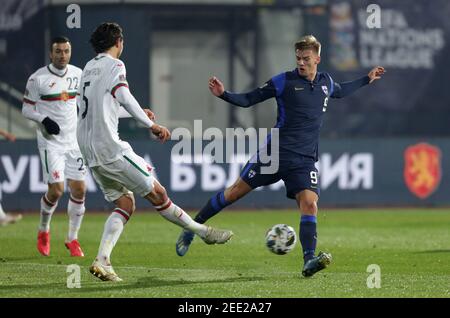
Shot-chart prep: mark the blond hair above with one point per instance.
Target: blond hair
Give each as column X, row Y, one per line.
column 308, row 42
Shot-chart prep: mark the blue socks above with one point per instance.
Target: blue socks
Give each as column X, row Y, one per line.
column 214, row 206
column 308, row 236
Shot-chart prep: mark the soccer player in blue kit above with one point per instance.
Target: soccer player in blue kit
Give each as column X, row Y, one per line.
column 302, row 97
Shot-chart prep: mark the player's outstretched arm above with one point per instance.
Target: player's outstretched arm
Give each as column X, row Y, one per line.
column 216, row 86
column 161, row 132
column 124, row 114
column 242, row 100
column 150, row 114
column 376, row 73
column 144, row 116
column 127, row 100
column 344, row 89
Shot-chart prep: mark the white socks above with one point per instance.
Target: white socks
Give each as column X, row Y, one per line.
column 75, row 210
column 47, row 209
column 111, row 233
column 115, row 223
column 176, row 215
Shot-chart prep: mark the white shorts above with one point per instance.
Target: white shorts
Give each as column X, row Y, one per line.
column 130, row 174
column 59, row 165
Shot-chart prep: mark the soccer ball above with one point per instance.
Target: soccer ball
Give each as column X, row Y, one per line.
column 281, row 239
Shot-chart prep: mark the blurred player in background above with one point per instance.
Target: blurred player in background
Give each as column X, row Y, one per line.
column 302, row 96
column 116, row 168
column 7, row 218
column 8, row 136
column 50, row 101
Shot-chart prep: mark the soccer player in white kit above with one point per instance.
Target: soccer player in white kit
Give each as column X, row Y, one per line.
column 50, row 101
column 116, row 168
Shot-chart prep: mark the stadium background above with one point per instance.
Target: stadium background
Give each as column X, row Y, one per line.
column 386, row 145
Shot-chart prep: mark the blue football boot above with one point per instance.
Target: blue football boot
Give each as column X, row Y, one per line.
column 184, row 241
column 316, row 264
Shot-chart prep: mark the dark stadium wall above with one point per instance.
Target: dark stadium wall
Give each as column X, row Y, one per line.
column 25, row 51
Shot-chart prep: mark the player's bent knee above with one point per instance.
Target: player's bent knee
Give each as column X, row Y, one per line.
column 55, row 191
column 126, row 203
column 55, row 195
column 78, row 194
column 133, row 202
column 160, row 200
column 79, row 189
column 161, row 191
column 158, row 196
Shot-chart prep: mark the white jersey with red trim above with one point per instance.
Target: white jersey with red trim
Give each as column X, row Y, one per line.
column 53, row 94
column 98, row 117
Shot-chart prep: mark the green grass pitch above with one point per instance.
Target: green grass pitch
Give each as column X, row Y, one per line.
column 412, row 248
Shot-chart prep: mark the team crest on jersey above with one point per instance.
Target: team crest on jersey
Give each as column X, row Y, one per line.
column 251, row 174
column 64, row 96
column 422, row 171
column 56, row 175
column 325, row 89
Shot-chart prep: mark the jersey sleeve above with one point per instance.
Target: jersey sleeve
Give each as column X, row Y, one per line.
column 270, row 89
column 130, row 104
column 339, row 90
column 31, row 95
column 30, row 98
column 118, row 77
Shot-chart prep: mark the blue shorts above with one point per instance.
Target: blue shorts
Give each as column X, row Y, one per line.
column 298, row 174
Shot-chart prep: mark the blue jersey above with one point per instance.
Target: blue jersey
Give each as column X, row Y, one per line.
column 301, row 106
